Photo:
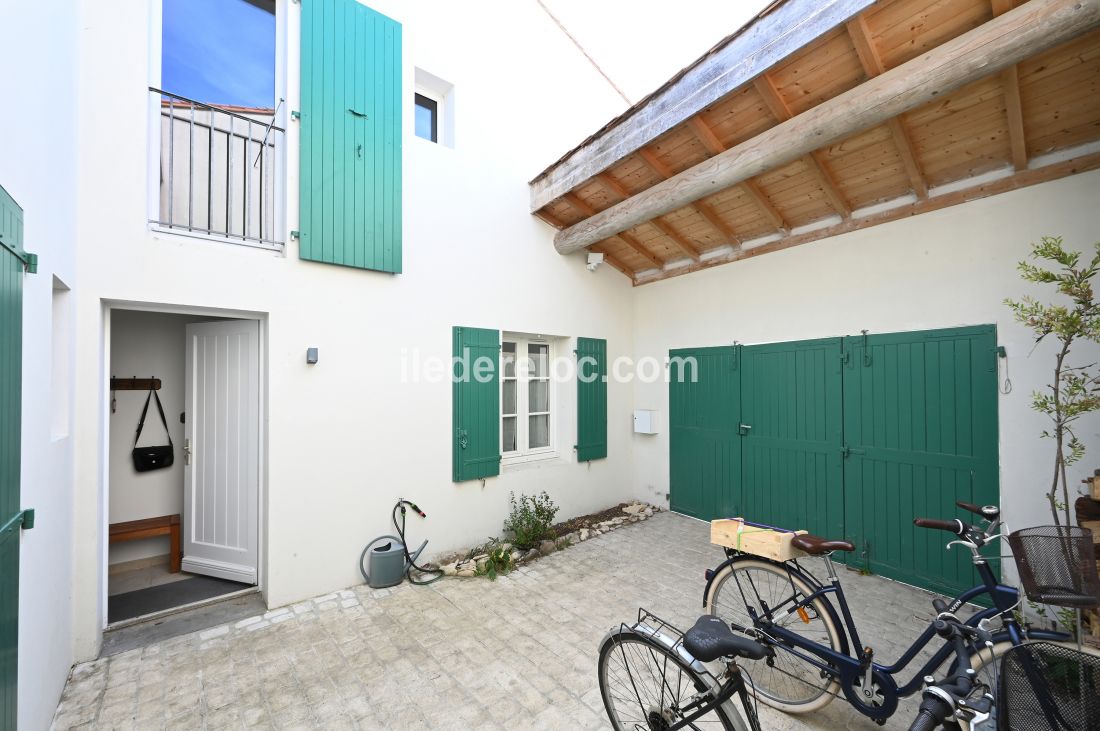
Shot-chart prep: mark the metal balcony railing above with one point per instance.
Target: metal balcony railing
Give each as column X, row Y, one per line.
column 219, row 170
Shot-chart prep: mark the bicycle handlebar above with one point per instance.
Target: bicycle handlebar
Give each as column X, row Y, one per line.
column 989, row 512
column 933, row 712
column 956, row 526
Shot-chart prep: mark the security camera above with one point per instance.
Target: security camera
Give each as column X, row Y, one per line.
column 594, row 261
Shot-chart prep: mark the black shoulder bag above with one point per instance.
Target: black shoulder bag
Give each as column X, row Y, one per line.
column 152, row 458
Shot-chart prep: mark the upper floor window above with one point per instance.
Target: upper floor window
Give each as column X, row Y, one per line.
column 219, row 52
column 427, row 118
column 434, row 109
column 220, row 146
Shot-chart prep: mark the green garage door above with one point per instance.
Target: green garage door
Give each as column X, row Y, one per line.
column 704, row 403
column 848, row 437
column 790, row 408
column 13, row 263
column 920, row 421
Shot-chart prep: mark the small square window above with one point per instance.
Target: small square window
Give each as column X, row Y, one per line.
column 427, row 118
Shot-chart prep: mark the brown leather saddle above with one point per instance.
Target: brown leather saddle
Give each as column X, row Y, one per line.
column 816, row 545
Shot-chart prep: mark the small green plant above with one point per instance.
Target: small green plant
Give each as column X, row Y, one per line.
column 499, row 560
column 530, row 518
column 1064, row 618
column 1074, row 390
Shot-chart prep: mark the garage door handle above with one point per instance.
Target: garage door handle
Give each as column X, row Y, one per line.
column 744, row 429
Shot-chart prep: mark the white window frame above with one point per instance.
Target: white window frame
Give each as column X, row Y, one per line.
column 443, row 94
column 522, row 378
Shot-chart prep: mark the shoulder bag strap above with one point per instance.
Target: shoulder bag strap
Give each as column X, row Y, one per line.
column 141, row 421
column 145, row 410
column 156, row 396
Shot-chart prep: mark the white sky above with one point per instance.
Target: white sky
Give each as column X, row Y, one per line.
column 641, row 43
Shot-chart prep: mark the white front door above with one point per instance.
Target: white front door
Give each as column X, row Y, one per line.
column 221, row 451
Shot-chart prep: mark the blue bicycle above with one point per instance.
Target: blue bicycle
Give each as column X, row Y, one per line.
column 812, row 656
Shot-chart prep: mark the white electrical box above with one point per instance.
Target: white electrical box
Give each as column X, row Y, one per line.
column 645, row 421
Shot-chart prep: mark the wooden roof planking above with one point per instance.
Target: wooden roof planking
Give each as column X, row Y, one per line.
column 802, row 125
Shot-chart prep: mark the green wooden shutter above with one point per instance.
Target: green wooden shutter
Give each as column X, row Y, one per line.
column 591, row 399
column 476, row 404
column 13, row 264
column 350, row 178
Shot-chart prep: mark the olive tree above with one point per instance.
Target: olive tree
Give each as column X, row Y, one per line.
column 1075, row 387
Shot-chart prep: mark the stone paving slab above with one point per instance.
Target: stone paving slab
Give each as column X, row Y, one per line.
column 517, row 653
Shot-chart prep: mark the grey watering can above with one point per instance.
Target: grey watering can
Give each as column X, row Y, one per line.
column 387, row 563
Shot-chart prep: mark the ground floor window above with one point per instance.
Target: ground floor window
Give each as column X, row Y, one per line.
column 526, row 430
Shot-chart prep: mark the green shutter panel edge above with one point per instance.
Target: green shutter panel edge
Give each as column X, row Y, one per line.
column 350, row 136
column 591, row 399
column 475, row 402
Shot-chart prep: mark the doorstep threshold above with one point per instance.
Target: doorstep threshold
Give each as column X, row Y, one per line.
column 152, row 616
column 148, row 629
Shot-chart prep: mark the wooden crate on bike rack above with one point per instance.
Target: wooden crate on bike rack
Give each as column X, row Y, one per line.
column 754, row 538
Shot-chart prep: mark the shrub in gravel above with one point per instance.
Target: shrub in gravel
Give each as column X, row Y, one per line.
column 530, row 518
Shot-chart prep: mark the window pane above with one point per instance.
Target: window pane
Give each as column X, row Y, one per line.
column 539, row 434
column 426, row 112
column 539, row 356
column 508, row 398
column 508, row 434
column 538, row 396
column 508, row 356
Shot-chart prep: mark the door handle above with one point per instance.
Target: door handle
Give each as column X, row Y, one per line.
column 187, row 451
column 744, row 429
column 357, row 114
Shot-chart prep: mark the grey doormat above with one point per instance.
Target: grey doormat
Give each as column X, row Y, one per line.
column 166, row 596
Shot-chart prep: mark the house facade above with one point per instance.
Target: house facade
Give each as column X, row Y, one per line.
column 300, row 279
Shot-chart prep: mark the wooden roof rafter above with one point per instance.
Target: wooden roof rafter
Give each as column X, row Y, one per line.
column 1010, row 80
column 813, row 160
column 872, row 66
column 664, row 227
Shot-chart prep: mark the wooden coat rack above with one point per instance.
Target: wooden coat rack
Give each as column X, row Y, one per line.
column 135, row 384
column 132, row 384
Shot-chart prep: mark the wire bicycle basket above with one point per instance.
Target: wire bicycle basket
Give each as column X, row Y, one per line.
column 1057, row 565
column 1048, row 686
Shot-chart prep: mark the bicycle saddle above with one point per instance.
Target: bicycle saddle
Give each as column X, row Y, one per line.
column 815, row 545
column 711, row 638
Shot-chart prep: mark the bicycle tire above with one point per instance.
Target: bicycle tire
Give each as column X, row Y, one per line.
column 631, row 701
column 776, row 684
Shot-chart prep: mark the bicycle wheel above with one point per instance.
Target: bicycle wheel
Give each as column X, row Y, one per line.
column 646, row 687
column 784, row 681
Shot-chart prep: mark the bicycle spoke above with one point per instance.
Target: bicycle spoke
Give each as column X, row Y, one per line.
column 771, row 594
column 646, row 686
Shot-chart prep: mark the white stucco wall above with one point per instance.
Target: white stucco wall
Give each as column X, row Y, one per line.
column 942, row 269
column 346, row 438
column 38, row 141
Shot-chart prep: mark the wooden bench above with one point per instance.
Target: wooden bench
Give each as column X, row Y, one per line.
column 165, row 525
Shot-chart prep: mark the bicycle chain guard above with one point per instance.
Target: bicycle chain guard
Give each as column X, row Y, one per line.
column 880, row 702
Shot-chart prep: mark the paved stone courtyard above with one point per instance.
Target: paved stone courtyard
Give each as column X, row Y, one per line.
column 517, row 653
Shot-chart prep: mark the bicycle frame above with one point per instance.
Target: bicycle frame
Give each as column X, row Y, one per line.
column 848, row 668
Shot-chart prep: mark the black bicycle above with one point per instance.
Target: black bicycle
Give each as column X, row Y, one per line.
column 812, row 656
column 654, row 677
